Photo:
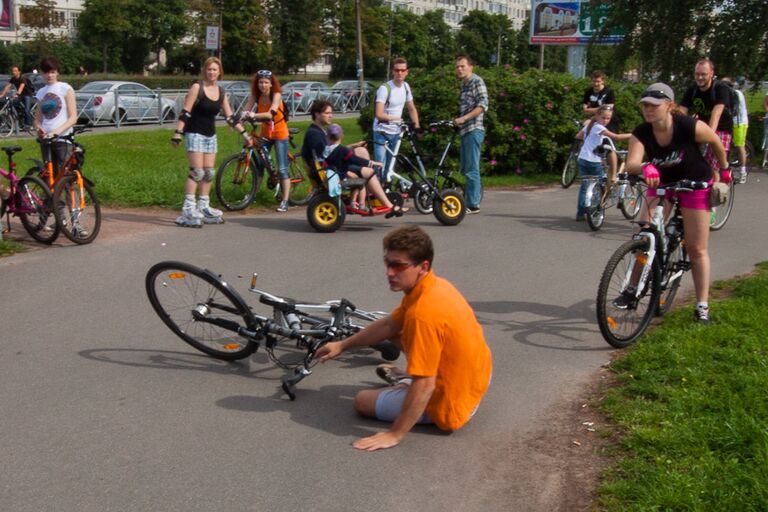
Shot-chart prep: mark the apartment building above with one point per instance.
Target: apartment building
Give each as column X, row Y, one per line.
column 455, row 10
column 14, row 25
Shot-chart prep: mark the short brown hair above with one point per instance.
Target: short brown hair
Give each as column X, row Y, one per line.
column 318, row 106
column 399, row 60
column 465, row 57
column 413, row 241
column 597, row 74
column 49, row 64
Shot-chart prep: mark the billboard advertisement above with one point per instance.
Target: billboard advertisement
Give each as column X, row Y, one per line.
column 6, row 15
column 569, row 23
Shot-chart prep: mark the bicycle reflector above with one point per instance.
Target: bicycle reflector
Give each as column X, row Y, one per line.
column 254, row 277
column 177, row 275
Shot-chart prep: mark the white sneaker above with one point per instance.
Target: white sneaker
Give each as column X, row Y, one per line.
column 283, row 207
column 743, row 178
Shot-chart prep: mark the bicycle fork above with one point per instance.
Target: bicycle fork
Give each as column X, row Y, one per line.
column 637, row 276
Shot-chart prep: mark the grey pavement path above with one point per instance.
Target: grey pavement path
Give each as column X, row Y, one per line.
column 104, row 409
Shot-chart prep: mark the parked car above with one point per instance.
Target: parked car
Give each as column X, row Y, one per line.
column 345, row 95
column 238, row 92
column 96, row 102
column 298, row 96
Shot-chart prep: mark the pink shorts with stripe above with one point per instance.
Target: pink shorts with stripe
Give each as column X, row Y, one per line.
column 694, row 199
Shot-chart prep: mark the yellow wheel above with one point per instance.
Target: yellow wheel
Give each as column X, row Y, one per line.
column 325, row 213
column 449, row 207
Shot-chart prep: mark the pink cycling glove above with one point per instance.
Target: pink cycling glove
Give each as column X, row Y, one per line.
column 650, row 172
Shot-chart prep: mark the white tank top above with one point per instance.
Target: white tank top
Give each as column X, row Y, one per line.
column 53, row 106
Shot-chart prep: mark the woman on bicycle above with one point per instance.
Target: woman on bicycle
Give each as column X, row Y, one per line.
column 670, row 142
column 197, row 123
column 56, row 113
column 590, row 163
column 266, row 96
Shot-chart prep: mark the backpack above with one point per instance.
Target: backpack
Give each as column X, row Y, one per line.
column 732, row 105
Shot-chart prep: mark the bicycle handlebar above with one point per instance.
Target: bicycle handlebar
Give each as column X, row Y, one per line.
column 77, row 129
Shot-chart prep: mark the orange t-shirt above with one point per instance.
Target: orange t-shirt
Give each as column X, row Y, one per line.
column 277, row 129
column 442, row 338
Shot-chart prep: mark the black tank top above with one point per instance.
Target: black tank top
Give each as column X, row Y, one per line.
column 681, row 159
column 204, row 114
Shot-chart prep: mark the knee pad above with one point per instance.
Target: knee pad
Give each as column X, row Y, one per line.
column 208, row 174
column 196, row 174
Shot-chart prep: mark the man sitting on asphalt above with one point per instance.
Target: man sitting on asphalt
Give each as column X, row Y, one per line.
column 449, row 363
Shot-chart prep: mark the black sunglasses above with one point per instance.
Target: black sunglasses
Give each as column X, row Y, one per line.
column 659, row 95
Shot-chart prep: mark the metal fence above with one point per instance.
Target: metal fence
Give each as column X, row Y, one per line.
column 164, row 105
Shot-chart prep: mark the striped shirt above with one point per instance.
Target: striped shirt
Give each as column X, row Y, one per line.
column 473, row 94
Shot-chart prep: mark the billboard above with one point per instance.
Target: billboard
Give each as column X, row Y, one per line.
column 569, row 23
column 6, row 15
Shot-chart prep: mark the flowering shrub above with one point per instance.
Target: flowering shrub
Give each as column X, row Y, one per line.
column 530, row 123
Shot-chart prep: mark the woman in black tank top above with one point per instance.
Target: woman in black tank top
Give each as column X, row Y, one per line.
column 197, row 123
column 670, row 143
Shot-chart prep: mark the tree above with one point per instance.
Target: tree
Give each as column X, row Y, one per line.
column 409, row 37
column 666, row 36
column 441, row 42
column 295, row 27
column 245, row 41
column 739, row 42
column 160, row 24
column 41, row 17
column 101, row 23
column 482, row 34
column 340, row 37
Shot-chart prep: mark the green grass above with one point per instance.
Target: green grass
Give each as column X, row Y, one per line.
column 139, row 168
column 692, row 410
column 8, row 247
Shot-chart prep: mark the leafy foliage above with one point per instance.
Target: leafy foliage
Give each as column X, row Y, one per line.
column 529, row 125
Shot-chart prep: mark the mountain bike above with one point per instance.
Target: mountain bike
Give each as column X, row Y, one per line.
column 625, row 193
column 76, row 207
column 240, row 175
column 643, row 275
column 11, row 116
column 29, row 199
column 202, row 309
column 571, row 167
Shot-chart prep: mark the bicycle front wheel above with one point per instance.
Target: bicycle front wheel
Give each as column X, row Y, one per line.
column 571, row 167
column 677, row 264
column 623, row 321
column 77, row 209
column 596, row 212
column 721, row 214
column 631, row 201
column 237, row 181
column 34, row 205
column 201, row 309
column 302, row 188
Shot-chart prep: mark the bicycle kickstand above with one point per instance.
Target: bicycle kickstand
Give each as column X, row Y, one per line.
column 289, row 382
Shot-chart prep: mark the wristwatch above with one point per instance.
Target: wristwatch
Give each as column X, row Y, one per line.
column 178, row 132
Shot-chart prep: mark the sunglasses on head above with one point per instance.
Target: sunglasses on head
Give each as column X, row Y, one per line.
column 264, row 73
column 659, row 95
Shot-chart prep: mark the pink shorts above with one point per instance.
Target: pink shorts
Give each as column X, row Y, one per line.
column 693, row 200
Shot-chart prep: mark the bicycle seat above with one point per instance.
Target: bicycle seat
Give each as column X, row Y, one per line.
column 9, row 150
column 283, row 304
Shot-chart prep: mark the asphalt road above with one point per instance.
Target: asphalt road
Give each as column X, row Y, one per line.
column 104, row 409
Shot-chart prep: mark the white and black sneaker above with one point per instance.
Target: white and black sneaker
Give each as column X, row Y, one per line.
column 701, row 314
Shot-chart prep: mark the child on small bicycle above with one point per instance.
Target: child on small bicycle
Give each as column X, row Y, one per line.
column 590, row 162
column 349, row 162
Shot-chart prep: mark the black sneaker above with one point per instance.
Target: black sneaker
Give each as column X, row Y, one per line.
column 392, row 375
column 701, row 315
column 471, row 210
column 626, row 300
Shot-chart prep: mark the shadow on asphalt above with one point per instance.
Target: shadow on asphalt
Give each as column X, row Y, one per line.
column 301, row 225
column 328, row 408
column 612, row 229
column 564, row 327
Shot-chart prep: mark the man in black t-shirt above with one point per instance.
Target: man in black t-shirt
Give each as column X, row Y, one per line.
column 598, row 95
column 24, row 90
column 709, row 101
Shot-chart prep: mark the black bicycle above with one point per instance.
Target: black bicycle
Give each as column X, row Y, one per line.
column 571, row 167
column 207, row 313
column 642, row 277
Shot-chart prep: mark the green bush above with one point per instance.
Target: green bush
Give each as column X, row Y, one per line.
column 529, row 125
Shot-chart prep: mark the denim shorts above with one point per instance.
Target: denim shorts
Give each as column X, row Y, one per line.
column 390, row 402
column 197, row 143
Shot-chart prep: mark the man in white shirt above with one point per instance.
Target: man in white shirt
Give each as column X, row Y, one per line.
column 391, row 97
column 740, row 126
